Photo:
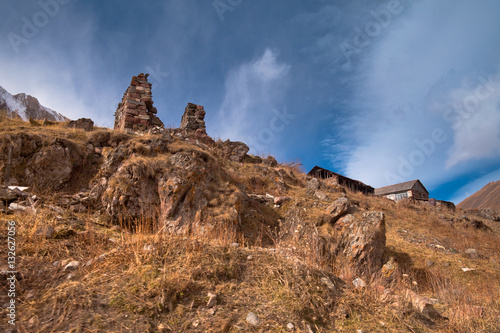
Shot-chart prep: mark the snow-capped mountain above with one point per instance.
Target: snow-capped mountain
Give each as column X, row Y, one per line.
column 26, row 106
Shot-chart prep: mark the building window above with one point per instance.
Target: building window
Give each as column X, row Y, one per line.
column 400, row 196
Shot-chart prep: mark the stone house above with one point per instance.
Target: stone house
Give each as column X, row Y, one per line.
column 412, row 189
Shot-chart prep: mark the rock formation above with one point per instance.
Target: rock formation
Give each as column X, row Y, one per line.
column 136, row 111
column 85, row 124
column 362, row 243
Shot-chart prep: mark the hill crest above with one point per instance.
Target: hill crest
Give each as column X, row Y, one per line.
column 487, row 197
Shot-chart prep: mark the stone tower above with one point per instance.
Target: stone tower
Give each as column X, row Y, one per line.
column 136, row 112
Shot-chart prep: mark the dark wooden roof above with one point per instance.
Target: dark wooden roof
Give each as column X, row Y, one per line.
column 317, row 168
column 398, row 187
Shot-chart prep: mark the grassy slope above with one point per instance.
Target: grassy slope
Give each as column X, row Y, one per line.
column 165, row 288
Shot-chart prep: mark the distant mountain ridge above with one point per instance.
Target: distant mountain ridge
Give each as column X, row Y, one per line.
column 26, row 106
column 487, row 197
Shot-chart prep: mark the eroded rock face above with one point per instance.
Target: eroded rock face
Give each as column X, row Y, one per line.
column 55, row 165
column 46, row 165
column 362, row 243
column 180, row 192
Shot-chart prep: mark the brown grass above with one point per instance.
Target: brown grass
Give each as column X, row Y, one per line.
column 152, row 281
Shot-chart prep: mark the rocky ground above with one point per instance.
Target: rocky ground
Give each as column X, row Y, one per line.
column 173, row 232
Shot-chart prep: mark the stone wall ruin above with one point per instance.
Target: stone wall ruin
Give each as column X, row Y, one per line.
column 136, row 111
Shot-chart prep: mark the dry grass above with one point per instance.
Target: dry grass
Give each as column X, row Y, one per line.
column 151, row 281
column 135, row 289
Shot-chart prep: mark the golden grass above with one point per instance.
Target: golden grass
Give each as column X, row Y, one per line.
column 152, row 281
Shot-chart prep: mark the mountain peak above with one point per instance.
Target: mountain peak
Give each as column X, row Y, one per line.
column 487, row 197
column 26, row 106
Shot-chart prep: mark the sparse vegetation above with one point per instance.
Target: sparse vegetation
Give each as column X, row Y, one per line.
column 134, row 276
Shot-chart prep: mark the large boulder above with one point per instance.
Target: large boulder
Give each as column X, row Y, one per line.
column 85, row 124
column 338, row 208
column 362, row 243
column 313, row 185
column 234, row 150
column 55, row 166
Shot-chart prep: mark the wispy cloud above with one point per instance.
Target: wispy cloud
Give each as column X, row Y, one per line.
column 253, row 92
column 394, row 118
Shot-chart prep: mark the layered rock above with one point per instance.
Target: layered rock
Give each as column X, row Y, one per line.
column 136, row 111
column 362, row 243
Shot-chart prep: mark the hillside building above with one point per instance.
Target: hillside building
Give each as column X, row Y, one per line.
column 334, row 178
column 412, row 189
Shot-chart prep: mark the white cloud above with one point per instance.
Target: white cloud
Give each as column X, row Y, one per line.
column 474, row 109
column 253, row 92
column 399, row 99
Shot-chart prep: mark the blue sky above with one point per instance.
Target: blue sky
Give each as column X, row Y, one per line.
column 381, row 91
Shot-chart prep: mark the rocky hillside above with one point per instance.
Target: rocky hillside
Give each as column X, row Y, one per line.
column 487, row 197
column 26, row 107
column 171, row 231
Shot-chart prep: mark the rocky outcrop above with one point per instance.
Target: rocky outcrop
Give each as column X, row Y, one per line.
column 53, row 166
column 85, row 124
column 136, row 111
column 362, row 243
column 270, row 161
column 181, row 192
column 46, row 164
column 337, row 209
column 234, row 150
column 485, row 213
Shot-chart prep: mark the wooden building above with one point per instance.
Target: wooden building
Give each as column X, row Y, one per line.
column 334, row 178
column 412, row 189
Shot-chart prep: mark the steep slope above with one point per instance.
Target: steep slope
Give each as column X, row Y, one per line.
column 487, row 197
column 26, row 106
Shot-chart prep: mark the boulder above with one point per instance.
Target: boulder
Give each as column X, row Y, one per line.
column 338, row 209
column 362, row 243
column 234, row 150
column 52, row 167
column 7, row 195
column 85, row 124
column 422, row 304
column 471, row 253
column 313, row 185
column 320, row 195
column 46, row 231
column 252, row 319
column 270, row 161
column 252, row 159
column 281, row 200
